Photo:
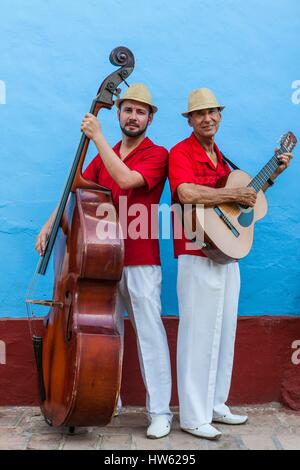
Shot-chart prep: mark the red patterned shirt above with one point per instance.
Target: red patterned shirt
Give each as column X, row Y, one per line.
column 189, row 163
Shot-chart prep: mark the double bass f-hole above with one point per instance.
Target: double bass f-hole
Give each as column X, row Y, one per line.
column 69, row 315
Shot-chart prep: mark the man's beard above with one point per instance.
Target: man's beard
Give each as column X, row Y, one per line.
column 133, row 133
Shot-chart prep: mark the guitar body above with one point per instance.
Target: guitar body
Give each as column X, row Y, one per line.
column 229, row 242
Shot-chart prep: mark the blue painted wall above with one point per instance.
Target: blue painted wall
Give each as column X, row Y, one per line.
column 54, row 55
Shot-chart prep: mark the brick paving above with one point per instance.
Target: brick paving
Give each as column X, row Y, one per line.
column 270, row 427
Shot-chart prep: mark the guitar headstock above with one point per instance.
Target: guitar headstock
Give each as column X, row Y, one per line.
column 287, row 142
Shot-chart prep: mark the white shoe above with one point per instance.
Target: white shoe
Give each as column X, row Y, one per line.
column 205, row 430
column 230, row 418
column 160, row 427
column 118, row 409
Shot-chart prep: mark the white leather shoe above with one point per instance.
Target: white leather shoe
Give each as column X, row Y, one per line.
column 230, row 418
column 160, row 427
column 205, row 430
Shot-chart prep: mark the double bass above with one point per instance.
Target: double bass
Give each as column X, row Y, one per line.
column 79, row 354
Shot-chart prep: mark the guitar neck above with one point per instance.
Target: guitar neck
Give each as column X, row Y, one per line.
column 262, row 177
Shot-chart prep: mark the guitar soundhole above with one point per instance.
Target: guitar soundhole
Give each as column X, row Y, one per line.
column 245, row 219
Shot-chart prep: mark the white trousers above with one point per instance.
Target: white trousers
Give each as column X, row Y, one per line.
column 139, row 294
column 208, row 301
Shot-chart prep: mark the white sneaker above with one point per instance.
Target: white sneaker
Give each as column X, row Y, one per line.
column 160, row 427
column 205, row 430
column 230, row 418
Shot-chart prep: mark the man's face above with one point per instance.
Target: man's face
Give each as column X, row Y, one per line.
column 134, row 118
column 205, row 122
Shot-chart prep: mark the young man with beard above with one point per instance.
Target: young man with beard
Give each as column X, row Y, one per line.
column 208, row 292
column 136, row 168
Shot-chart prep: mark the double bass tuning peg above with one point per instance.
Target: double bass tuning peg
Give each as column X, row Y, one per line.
column 113, row 90
column 117, row 92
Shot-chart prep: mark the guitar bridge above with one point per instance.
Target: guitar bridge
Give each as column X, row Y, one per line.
column 227, row 222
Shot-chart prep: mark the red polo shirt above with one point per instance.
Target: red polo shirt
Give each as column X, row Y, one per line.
column 189, row 163
column 151, row 161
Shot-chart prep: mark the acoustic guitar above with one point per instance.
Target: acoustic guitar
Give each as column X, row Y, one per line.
column 225, row 232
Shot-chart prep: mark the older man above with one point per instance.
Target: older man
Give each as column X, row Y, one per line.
column 208, row 292
column 136, row 169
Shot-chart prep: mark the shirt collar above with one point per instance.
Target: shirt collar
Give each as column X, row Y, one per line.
column 146, row 143
column 201, row 153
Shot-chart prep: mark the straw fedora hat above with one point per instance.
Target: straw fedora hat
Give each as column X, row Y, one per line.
column 137, row 92
column 202, row 98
